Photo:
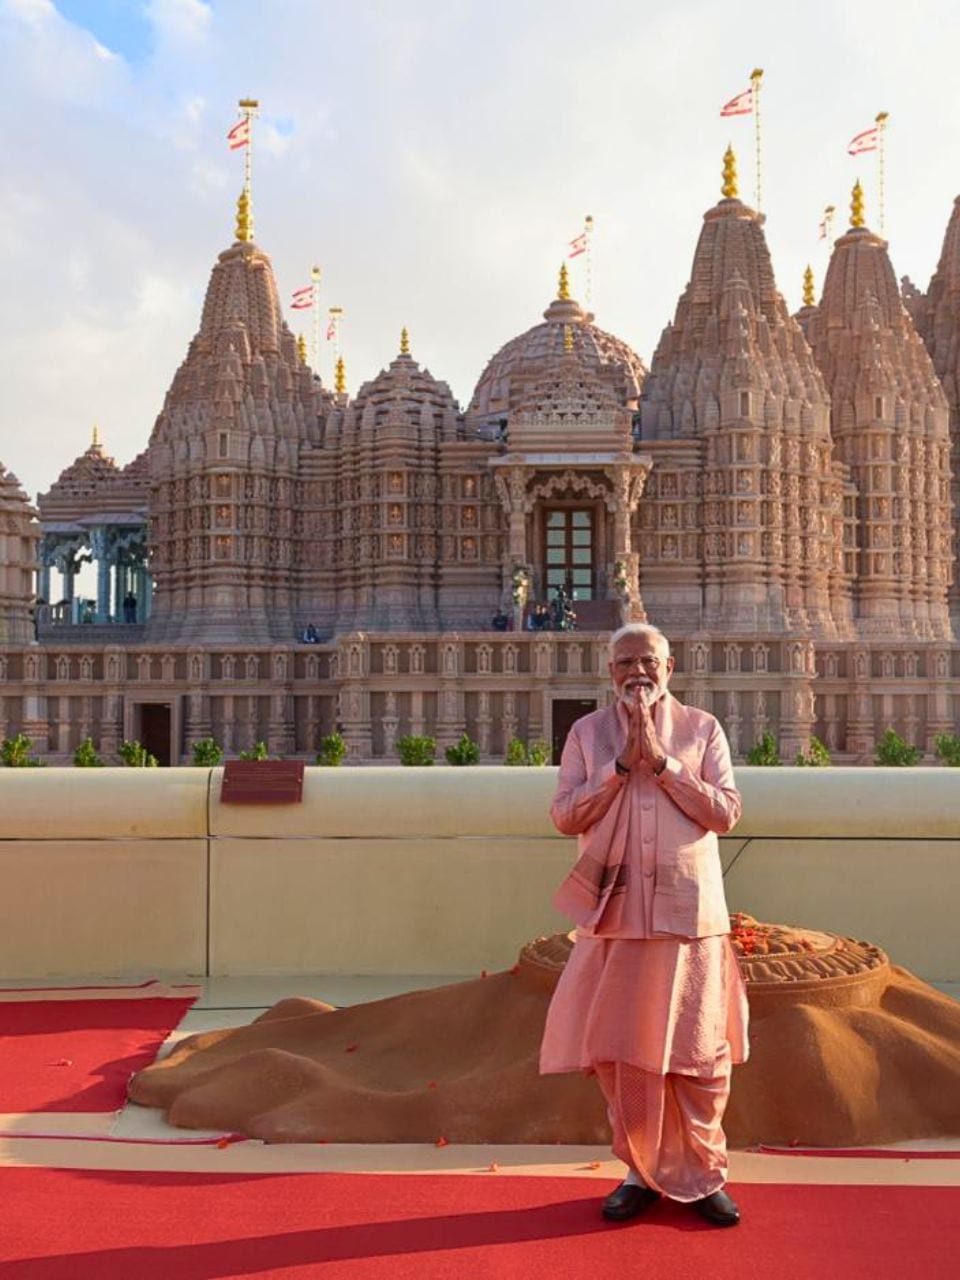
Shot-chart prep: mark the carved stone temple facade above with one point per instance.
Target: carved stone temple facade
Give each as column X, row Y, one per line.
column 775, row 492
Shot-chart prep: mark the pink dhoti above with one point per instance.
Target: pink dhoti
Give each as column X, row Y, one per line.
column 660, row 1021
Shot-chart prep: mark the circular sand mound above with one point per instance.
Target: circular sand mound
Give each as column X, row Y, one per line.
column 846, row 1050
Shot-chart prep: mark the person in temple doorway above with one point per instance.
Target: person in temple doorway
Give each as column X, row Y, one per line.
column 651, row 1000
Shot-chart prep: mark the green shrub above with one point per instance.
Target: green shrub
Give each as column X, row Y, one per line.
column 535, row 753
column 464, row 752
column 332, row 750
column 15, row 753
column 894, row 751
column 207, row 753
column 416, row 749
column 765, row 752
column 818, row 757
column 85, row 756
column 257, row 752
column 947, row 747
column 134, row 756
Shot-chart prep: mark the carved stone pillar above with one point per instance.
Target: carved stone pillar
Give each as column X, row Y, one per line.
column 198, row 702
column 100, row 547
column 353, row 668
column 484, row 722
column 797, row 699
column 623, row 574
column 939, row 719
column 509, row 717
column 860, row 732
column 34, row 721
column 511, row 484
column 391, row 723
column 281, row 728
column 450, row 718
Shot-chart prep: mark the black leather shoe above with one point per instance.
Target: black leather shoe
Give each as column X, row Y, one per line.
column 627, row 1201
column 717, row 1208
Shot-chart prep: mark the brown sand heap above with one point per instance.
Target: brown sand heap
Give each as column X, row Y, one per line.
column 846, row 1049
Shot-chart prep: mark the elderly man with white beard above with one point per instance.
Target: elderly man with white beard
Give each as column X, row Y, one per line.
column 651, row 999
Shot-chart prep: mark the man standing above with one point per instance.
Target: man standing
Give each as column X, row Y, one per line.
column 651, row 999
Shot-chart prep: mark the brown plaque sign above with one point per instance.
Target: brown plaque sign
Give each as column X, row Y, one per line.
column 262, row 782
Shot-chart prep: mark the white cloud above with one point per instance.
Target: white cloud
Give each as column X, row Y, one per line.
column 180, row 21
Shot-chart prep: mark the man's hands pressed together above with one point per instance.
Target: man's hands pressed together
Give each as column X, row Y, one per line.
column 643, row 745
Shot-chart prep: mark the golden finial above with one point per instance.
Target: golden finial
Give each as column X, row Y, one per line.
column 729, row 190
column 567, row 338
column 340, row 377
column 808, row 299
column 302, row 348
column 404, row 342
column 244, row 218
column 856, row 206
column 95, row 442
column 563, row 289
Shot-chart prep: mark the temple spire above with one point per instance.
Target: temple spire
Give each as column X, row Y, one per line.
column 404, row 342
column 567, row 339
column 808, row 289
column 857, row 218
column 563, row 288
column 302, row 348
column 729, row 190
column 340, row 377
column 95, row 441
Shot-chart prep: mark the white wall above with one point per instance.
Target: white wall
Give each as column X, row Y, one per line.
column 427, row 871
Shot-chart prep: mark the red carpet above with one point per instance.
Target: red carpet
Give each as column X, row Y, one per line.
column 77, row 1055
column 61, row 1225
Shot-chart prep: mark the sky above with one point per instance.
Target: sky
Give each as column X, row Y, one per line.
column 434, row 157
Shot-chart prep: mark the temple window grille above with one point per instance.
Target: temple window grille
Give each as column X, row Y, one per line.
column 568, row 554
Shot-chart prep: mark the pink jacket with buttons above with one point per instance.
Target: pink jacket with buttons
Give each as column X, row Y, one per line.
column 680, row 815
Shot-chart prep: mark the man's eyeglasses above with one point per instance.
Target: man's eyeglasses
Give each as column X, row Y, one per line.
column 649, row 663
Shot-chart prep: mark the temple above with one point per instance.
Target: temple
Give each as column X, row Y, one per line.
column 285, row 558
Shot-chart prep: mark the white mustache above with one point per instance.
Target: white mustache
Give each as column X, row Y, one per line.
column 647, row 693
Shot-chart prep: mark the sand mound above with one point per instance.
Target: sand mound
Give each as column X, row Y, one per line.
column 846, row 1050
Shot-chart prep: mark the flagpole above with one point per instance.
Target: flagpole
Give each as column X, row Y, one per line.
column 755, row 78
column 881, row 122
column 336, row 314
column 588, row 232
column 315, row 278
column 248, row 110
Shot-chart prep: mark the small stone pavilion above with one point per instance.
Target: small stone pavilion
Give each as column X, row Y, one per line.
column 775, row 492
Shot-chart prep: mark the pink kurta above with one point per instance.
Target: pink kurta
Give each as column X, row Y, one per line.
column 630, row 994
column 662, row 1004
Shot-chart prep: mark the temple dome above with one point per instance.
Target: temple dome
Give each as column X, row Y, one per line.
column 523, row 362
column 890, row 424
column 404, row 396
column 88, row 476
column 242, row 371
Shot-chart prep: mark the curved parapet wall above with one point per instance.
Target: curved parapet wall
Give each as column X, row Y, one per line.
column 427, row 871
